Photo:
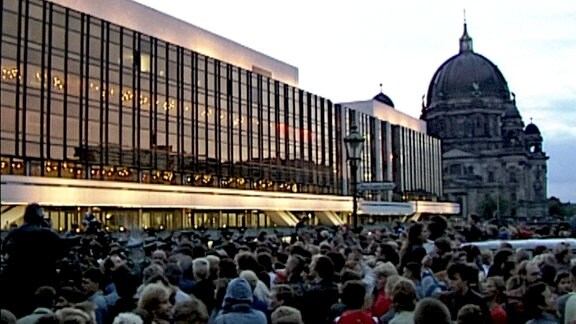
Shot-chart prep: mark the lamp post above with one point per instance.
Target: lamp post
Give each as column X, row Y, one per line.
column 354, row 147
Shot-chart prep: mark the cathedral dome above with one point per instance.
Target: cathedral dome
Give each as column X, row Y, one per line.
column 384, row 99
column 467, row 75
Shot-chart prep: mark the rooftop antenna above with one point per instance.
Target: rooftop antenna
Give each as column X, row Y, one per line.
column 464, row 15
column 381, row 88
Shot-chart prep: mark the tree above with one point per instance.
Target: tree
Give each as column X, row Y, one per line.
column 490, row 208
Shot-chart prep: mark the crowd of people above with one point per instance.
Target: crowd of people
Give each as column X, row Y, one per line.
column 419, row 272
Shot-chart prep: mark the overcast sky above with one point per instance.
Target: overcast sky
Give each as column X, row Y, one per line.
column 345, row 49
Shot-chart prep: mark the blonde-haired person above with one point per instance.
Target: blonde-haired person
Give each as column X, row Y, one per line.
column 155, row 300
column 286, row 315
column 382, row 301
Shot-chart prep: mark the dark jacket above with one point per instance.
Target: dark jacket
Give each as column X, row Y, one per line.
column 318, row 298
column 456, row 302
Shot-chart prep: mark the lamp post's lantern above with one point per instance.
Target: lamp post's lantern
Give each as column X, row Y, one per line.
column 354, row 147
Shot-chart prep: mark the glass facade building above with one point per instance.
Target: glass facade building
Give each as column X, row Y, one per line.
column 106, row 111
column 85, row 98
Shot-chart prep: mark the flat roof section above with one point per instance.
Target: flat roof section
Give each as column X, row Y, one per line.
column 151, row 22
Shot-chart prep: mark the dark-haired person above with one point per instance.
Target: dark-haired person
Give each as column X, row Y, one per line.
column 353, row 296
column 321, row 293
column 540, row 304
column 413, row 249
column 461, row 276
column 45, row 301
column 91, row 281
column 32, row 252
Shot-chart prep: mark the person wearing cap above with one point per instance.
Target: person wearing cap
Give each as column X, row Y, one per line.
column 237, row 305
column 32, row 252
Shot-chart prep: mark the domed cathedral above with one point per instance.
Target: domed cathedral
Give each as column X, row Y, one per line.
column 492, row 165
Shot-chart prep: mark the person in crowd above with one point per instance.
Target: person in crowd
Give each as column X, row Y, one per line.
column 203, row 289
column 192, row 311
column 281, row 295
column 412, row 272
column 494, row 289
column 470, row 314
column 187, row 281
column 321, row 292
column 91, row 281
column 562, row 283
column 127, row 318
column 382, row 302
column 44, row 301
column 562, row 300
column 353, row 297
column 252, row 280
column 155, row 302
column 74, row 315
column 540, row 304
column 247, row 261
column 286, row 315
column 404, row 297
column 173, row 274
column 460, row 276
column 413, row 249
column 237, row 305
column 32, row 251
column 501, row 256
column 431, row 310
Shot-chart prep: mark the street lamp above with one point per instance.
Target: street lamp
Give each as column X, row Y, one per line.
column 354, row 147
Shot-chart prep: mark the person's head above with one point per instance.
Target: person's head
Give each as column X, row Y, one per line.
column 280, row 295
column 46, row 297
column 562, row 283
column 73, row 315
column 295, row 264
column 417, row 234
column 214, row 263
column 265, row 260
column 443, row 245
column 538, row 299
column 353, row 294
column 322, row 267
column 494, row 288
column 152, row 270
column 91, row 280
column 562, row 253
column 404, row 296
column 173, row 273
column 390, row 283
column 127, row 318
column 68, row 296
column 191, row 311
column 461, row 275
column 412, row 271
column 159, row 256
column 431, row 310
column 382, row 272
column 201, row 268
column 34, row 215
column 238, row 292
column 155, row 299
column 286, row 315
column 470, row 314
column 246, row 261
column 7, row 317
column 185, row 264
column 250, row 277
column 531, row 273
